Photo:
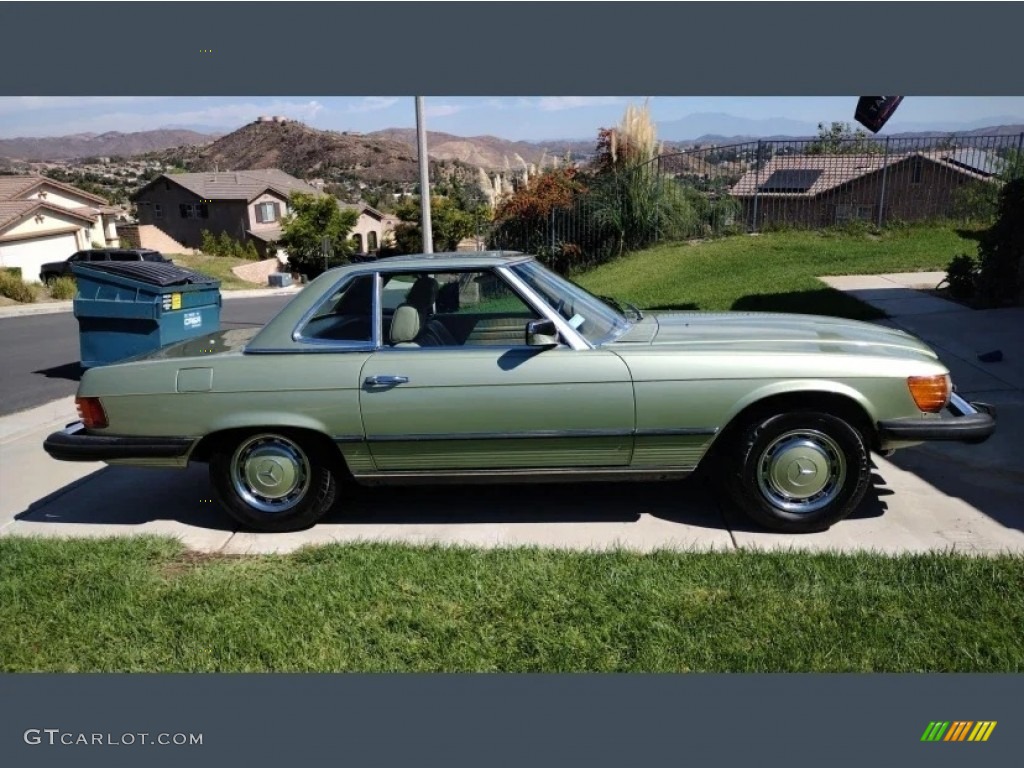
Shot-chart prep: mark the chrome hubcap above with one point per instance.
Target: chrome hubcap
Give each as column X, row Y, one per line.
column 801, row 471
column 270, row 472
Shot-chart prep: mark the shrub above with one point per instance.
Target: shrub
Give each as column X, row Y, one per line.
column 209, row 245
column 15, row 288
column 16, row 271
column 962, row 275
column 1001, row 250
column 63, row 288
column 225, row 245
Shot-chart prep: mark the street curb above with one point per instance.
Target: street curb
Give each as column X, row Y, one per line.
column 52, row 415
column 55, row 307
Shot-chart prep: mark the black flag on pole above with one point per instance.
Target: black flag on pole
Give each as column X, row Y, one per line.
column 873, row 111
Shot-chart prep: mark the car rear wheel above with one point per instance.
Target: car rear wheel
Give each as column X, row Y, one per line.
column 800, row 472
column 274, row 481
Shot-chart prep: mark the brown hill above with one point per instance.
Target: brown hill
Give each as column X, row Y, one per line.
column 489, row 152
column 111, row 144
column 304, row 152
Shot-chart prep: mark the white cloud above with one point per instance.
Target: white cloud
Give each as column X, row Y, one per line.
column 441, row 110
column 220, row 116
column 12, row 105
column 558, row 103
column 373, row 104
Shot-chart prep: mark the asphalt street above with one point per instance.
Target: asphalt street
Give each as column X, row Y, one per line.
column 41, row 351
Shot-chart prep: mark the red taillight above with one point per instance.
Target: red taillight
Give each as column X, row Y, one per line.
column 91, row 411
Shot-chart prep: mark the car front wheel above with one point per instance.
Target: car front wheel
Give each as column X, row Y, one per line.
column 800, row 472
column 273, row 481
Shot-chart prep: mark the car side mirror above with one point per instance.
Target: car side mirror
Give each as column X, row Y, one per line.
column 541, row 333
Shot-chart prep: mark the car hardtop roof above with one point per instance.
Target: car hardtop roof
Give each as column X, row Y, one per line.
column 442, row 261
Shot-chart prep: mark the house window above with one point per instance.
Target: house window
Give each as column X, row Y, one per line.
column 853, row 212
column 371, row 241
column 357, row 241
column 267, row 212
column 194, row 211
column 158, row 211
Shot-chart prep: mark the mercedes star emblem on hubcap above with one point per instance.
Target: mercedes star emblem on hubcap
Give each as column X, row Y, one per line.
column 268, row 473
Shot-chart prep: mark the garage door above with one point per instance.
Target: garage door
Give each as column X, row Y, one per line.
column 30, row 255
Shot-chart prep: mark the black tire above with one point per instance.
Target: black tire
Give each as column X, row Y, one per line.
column 274, row 480
column 799, row 472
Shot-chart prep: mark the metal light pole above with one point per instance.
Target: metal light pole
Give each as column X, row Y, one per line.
column 421, row 143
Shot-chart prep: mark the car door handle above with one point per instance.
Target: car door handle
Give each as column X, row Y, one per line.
column 385, row 381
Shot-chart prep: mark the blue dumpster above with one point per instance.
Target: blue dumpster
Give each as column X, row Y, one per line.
column 127, row 308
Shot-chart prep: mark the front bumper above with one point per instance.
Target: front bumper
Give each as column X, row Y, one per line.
column 73, row 443
column 968, row 423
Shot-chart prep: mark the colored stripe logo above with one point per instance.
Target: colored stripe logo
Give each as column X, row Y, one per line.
column 958, row 730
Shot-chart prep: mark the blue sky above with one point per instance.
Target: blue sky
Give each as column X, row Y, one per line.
column 527, row 118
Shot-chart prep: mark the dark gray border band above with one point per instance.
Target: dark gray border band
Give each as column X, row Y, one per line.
column 524, row 49
column 515, row 721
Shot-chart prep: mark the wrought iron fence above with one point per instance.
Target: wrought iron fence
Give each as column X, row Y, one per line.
column 764, row 185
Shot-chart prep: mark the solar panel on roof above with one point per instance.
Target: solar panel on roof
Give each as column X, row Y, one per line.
column 976, row 160
column 790, row 181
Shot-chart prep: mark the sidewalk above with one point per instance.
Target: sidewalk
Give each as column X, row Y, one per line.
column 53, row 307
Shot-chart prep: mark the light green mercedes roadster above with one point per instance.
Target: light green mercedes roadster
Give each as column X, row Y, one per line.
column 487, row 367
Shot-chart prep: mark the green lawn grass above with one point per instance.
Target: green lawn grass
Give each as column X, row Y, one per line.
column 144, row 604
column 774, row 271
column 218, row 267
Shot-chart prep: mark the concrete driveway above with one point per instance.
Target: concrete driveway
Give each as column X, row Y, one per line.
column 936, row 497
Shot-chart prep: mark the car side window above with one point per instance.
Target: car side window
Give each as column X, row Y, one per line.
column 452, row 309
column 345, row 315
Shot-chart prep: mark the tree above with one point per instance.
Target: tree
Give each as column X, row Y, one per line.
column 841, row 139
column 1001, row 250
column 449, row 224
column 314, row 218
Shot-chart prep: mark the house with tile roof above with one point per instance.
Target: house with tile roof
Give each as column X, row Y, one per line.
column 823, row 190
column 44, row 220
column 247, row 205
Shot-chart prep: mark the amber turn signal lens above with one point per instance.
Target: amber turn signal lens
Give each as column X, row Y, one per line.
column 91, row 411
column 929, row 392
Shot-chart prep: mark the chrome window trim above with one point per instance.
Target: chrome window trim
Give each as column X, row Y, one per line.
column 336, row 345
column 576, row 341
column 377, row 308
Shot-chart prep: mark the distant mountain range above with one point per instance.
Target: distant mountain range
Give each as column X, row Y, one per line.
column 392, row 152
column 110, row 144
column 716, row 127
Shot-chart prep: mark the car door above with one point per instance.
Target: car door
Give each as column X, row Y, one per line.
column 467, row 393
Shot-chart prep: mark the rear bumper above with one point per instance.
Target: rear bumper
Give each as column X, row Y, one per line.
column 73, row 444
column 967, row 423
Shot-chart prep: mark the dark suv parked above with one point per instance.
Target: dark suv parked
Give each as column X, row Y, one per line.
column 55, row 269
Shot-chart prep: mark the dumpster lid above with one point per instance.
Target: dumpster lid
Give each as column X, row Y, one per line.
column 153, row 272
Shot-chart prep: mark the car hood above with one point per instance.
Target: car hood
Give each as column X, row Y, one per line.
column 769, row 332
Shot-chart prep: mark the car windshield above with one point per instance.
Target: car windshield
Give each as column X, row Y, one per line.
column 592, row 318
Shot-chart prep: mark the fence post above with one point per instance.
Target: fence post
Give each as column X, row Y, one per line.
column 1020, row 145
column 551, row 229
column 757, row 184
column 881, row 193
